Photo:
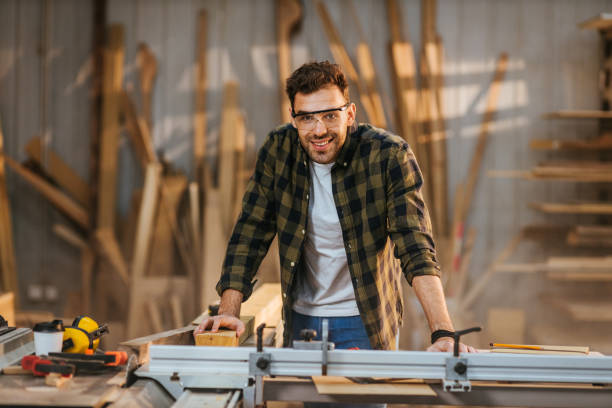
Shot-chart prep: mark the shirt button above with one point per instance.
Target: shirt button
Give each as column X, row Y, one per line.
column 284, row 295
column 305, row 164
column 344, row 164
column 307, row 196
column 292, row 263
column 349, row 245
column 303, row 232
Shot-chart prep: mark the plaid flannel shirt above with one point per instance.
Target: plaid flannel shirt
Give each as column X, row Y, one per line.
column 386, row 227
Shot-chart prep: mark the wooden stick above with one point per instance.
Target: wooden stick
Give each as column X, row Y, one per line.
column 147, row 67
column 109, row 247
column 476, row 163
column 146, row 215
column 194, row 212
column 63, row 174
column 199, row 125
column 60, row 200
column 138, row 132
column 573, row 208
column 109, row 143
column 342, row 58
column 177, row 311
column 288, row 17
column 154, row 316
column 70, row 236
column 8, row 268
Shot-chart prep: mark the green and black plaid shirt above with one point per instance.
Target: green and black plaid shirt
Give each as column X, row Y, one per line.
column 385, row 224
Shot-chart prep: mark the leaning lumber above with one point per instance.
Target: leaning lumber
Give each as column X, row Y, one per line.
column 62, row 173
column 573, row 208
column 199, row 119
column 288, row 17
column 61, row 201
column 147, row 69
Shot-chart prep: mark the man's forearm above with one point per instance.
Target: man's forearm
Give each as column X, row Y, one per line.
column 231, row 300
column 428, row 289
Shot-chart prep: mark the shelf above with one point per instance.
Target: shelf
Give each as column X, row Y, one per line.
column 578, row 114
column 600, row 22
column 573, row 208
column 601, row 143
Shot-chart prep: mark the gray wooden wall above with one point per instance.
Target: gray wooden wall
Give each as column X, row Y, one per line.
column 553, row 65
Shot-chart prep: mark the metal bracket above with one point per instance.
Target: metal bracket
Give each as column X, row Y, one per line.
column 456, row 375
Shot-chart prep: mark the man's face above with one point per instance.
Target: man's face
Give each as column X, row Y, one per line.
column 324, row 141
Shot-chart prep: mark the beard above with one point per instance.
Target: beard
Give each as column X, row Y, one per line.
column 322, row 149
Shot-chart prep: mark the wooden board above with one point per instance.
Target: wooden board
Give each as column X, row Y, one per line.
column 573, row 208
column 61, row 201
column 199, row 118
column 8, row 268
column 138, row 132
column 265, row 305
column 109, row 141
column 540, row 352
column 343, row 386
column 222, row 338
column 140, row 346
column 587, row 310
column 288, row 17
column 7, row 307
column 61, row 172
column 601, row 143
column 542, row 347
column 147, row 69
column 578, row 114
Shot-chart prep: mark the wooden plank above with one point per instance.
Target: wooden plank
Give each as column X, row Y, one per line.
column 61, row 172
column 162, row 259
column 60, row 200
column 177, row 311
column 138, row 132
column 8, row 268
column 578, row 114
column 288, row 17
column 195, row 224
column 603, row 142
column 70, row 236
column 154, row 315
column 214, row 246
column 199, row 125
column 573, row 208
column 469, row 185
column 604, row 262
column 580, row 276
column 145, row 224
column 222, row 338
column 343, row 386
column 147, row 69
column 265, row 305
column 109, row 141
column 7, row 307
column 342, row 58
column 109, row 247
column 140, row 346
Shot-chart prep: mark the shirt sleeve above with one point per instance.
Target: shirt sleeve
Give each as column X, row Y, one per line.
column 409, row 224
column 255, row 228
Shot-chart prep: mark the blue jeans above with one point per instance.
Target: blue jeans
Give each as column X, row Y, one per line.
column 345, row 332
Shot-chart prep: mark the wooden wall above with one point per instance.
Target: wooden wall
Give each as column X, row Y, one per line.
column 553, row 65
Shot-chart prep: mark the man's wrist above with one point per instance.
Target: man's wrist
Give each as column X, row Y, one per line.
column 438, row 334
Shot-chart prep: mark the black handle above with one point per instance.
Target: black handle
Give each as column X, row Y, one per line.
column 457, row 338
column 260, row 330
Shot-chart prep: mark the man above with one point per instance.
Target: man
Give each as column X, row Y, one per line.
column 345, row 202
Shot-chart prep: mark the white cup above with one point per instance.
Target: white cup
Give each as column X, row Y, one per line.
column 45, row 343
column 48, row 337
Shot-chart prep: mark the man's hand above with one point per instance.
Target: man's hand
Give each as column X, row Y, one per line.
column 213, row 323
column 229, row 310
column 447, row 344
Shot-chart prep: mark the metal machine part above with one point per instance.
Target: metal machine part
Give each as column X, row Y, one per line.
column 14, row 345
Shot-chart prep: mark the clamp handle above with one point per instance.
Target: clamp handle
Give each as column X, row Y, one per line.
column 457, row 336
column 260, row 330
column 308, row 334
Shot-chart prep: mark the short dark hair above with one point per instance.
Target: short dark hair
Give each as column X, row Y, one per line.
column 313, row 76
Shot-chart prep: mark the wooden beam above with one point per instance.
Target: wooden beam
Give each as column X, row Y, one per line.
column 573, row 208
column 288, row 17
column 195, row 224
column 604, row 142
column 222, row 338
column 109, row 143
column 138, row 132
column 578, row 114
column 264, row 305
column 342, row 58
column 142, row 241
column 70, row 236
column 199, row 125
column 105, row 238
column 60, row 200
column 63, row 174
column 469, row 185
column 8, row 267
column 147, row 69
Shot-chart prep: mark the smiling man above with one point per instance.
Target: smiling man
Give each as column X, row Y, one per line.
column 345, row 201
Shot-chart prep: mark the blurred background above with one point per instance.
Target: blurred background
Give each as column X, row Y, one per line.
column 129, row 130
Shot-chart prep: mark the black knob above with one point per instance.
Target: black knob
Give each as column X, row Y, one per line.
column 460, row 368
column 262, row 363
column 308, row 334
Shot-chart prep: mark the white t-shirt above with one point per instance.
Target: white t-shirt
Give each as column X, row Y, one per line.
column 325, row 288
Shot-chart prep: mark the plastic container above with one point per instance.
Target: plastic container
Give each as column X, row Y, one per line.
column 48, row 337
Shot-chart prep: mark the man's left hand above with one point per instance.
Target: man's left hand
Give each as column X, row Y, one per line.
column 447, row 344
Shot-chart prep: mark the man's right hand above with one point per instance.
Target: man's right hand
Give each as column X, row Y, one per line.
column 213, row 323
